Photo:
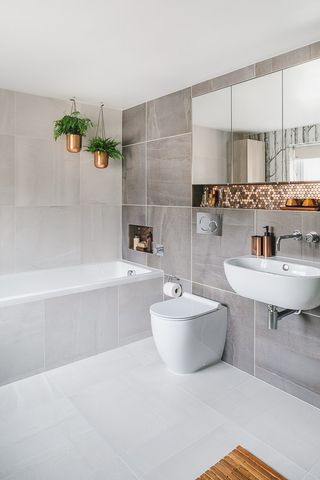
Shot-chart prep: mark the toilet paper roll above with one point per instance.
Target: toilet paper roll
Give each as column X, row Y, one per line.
column 171, row 289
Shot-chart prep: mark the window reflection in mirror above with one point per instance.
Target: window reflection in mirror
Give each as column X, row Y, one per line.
column 212, row 147
column 301, row 122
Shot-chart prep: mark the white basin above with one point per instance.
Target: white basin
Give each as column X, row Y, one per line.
column 279, row 281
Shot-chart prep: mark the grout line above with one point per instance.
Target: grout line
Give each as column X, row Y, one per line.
column 158, row 139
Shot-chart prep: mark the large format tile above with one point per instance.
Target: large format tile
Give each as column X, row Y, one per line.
column 7, row 110
column 6, row 170
column 310, row 223
column 21, row 341
column 239, row 348
column 133, row 215
column 201, row 455
column 45, row 173
column 112, row 120
column 35, row 115
column 172, row 229
column 47, row 237
column 80, row 325
column 297, row 430
column 169, row 115
column 100, row 185
column 209, row 251
column 134, row 175
column 134, row 124
column 281, row 223
column 134, row 317
column 7, row 239
column 289, row 357
column 100, row 233
column 169, row 171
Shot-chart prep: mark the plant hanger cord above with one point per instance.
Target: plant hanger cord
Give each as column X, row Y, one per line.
column 100, row 125
column 73, row 105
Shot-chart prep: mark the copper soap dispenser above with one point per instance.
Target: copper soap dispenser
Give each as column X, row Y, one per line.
column 267, row 246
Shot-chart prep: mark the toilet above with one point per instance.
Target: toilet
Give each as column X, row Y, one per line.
column 189, row 332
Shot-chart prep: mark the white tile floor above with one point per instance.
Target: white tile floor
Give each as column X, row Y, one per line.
column 122, row 416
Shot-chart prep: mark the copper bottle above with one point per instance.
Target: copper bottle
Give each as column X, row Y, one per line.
column 256, row 245
column 267, row 243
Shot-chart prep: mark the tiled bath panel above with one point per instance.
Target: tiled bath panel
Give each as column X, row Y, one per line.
column 41, row 335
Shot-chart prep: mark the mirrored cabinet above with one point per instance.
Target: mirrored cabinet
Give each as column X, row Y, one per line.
column 262, row 130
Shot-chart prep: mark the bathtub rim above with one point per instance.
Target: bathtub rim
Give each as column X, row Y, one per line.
column 152, row 273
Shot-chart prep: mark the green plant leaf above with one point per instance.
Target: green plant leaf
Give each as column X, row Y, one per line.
column 73, row 123
column 108, row 145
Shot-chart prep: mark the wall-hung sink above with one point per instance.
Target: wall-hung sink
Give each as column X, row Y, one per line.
column 287, row 283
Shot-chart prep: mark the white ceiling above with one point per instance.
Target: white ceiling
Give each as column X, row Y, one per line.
column 124, row 52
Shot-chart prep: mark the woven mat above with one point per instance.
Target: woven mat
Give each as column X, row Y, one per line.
column 240, row 465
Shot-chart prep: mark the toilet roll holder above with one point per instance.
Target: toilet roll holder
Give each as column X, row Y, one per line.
column 175, row 279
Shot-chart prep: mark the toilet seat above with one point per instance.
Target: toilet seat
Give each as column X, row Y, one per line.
column 186, row 307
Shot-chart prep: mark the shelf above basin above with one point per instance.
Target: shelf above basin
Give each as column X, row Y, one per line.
column 280, row 281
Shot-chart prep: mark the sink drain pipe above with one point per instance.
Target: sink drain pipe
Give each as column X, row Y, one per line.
column 274, row 315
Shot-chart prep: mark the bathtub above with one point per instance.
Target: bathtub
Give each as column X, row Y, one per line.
column 53, row 317
column 41, row 284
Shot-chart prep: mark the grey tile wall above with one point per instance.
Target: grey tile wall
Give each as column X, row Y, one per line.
column 169, row 115
column 287, row 358
column 56, row 208
column 169, row 171
column 6, row 169
column 239, row 348
column 172, row 229
column 134, row 175
column 209, row 251
column 134, row 125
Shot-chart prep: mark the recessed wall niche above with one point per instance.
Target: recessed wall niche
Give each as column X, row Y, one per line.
column 141, row 238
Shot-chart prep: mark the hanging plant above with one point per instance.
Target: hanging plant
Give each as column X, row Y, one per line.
column 102, row 147
column 74, row 126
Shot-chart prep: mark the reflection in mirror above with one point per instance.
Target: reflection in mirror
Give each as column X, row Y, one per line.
column 257, row 130
column 301, row 122
column 211, row 124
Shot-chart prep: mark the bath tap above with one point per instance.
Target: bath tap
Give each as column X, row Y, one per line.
column 296, row 235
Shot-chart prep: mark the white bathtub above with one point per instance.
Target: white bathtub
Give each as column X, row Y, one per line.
column 41, row 284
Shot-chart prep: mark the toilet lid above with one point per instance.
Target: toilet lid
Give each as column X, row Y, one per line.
column 184, row 308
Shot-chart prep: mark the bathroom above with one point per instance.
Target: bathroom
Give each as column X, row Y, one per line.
column 147, row 329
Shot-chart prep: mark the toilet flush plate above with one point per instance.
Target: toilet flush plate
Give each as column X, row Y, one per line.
column 209, row 223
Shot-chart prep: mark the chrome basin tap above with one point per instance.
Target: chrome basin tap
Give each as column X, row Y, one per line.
column 296, row 235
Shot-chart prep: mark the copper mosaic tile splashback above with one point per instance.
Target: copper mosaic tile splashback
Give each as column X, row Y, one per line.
column 270, row 196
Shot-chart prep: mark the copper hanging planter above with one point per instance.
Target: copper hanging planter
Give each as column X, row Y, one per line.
column 73, row 142
column 101, row 159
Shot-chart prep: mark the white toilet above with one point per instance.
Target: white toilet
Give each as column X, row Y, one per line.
column 189, row 332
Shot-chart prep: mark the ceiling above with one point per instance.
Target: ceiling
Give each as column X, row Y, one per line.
column 124, row 52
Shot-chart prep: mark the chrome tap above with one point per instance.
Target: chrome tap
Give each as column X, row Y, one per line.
column 296, row 235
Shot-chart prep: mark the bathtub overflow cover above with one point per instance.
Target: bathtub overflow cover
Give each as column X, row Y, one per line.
column 285, row 267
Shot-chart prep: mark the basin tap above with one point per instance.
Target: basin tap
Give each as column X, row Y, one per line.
column 296, row 235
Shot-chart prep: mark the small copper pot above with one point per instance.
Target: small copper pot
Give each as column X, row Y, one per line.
column 73, row 142
column 101, row 159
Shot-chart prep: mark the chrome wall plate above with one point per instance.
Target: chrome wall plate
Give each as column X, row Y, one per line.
column 209, row 223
